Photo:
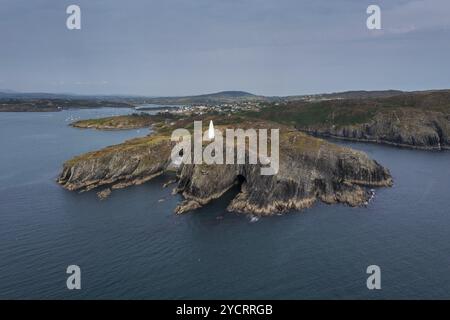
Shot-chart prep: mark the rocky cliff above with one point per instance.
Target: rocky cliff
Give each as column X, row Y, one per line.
column 132, row 162
column 310, row 169
column 404, row 127
column 415, row 120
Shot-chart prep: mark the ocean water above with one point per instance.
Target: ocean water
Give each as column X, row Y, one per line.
column 132, row 245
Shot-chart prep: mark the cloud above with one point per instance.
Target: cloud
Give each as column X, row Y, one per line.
column 173, row 47
column 417, row 15
column 92, row 83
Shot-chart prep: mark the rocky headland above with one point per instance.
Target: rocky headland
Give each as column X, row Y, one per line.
column 132, row 162
column 428, row 130
column 415, row 120
column 311, row 169
column 126, row 122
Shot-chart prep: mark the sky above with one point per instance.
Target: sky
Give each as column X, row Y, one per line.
column 184, row 47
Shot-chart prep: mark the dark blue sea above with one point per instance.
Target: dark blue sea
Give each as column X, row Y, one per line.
column 132, row 245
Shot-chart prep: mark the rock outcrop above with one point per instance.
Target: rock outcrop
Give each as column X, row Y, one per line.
column 132, row 162
column 407, row 127
column 102, row 195
column 311, row 169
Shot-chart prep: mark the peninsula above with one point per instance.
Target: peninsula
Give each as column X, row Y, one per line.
column 419, row 120
column 311, row 169
column 133, row 121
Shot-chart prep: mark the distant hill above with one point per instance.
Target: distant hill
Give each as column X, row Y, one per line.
column 360, row 94
column 9, row 94
column 10, row 100
column 212, row 98
column 6, row 91
column 229, row 94
column 218, row 97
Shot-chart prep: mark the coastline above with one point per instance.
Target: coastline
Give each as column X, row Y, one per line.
column 379, row 142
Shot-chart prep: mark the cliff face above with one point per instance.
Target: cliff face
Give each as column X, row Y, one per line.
column 405, row 127
column 132, row 162
column 310, row 170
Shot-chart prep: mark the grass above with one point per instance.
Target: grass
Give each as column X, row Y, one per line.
column 346, row 112
column 290, row 114
column 126, row 121
column 315, row 113
column 127, row 146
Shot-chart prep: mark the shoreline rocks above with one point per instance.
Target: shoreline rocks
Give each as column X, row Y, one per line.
column 131, row 163
column 406, row 128
column 102, row 195
column 311, row 170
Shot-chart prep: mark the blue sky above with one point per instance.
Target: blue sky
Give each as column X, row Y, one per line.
column 181, row 47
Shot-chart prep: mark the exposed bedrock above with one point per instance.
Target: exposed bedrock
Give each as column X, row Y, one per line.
column 132, row 162
column 310, row 169
column 405, row 128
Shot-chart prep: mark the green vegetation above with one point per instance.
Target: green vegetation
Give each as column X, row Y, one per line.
column 52, row 105
column 130, row 145
column 213, row 98
column 418, row 119
column 298, row 114
column 315, row 113
column 344, row 112
column 132, row 121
